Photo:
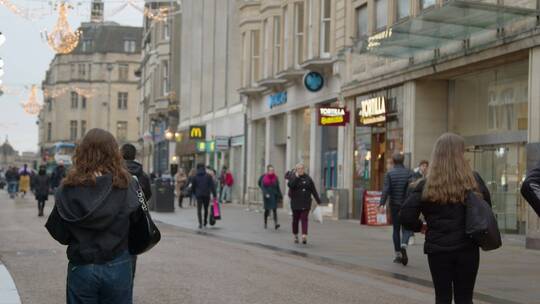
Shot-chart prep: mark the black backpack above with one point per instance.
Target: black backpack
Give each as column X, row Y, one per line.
column 481, row 224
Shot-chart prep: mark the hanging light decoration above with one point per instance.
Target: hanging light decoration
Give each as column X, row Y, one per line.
column 31, row 106
column 62, row 39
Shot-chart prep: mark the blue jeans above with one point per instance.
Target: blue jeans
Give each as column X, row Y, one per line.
column 109, row 283
column 12, row 187
column 403, row 239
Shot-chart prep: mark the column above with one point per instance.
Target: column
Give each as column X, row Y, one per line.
column 315, row 158
column 345, row 156
column 289, row 157
column 533, row 147
column 250, row 147
column 269, row 142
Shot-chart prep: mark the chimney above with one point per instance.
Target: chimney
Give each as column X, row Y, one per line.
column 97, row 11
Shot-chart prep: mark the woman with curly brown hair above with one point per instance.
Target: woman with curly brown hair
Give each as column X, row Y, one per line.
column 453, row 256
column 93, row 210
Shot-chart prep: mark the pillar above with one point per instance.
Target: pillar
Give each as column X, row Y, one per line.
column 315, row 158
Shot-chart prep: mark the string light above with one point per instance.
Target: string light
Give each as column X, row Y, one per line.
column 31, row 106
column 62, row 39
column 57, row 92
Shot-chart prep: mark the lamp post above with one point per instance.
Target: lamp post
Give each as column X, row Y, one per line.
column 109, row 70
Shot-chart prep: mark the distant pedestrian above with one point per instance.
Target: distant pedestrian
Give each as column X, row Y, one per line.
column 453, row 256
column 42, row 186
column 25, row 175
column 269, row 184
column 189, row 187
column 181, row 181
column 129, row 153
column 12, row 179
column 226, row 190
column 421, row 171
column 302, row 189
column 203, row 186
column 95, row 206
column 396, row 183
column 58, row 175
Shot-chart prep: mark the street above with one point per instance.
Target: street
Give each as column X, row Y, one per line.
column 191, row 268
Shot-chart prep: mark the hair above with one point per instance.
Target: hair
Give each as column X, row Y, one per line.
column 398, row 158
column 200, row 166
column 97, row 153
column 129, row 152
column 269, row 166
column 449, row 176
column 42, row 170
column 423, row 162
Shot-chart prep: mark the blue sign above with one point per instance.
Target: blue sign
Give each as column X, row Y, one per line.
column 277, row 99
column 313, row 81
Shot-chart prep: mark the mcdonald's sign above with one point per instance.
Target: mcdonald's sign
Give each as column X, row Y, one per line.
column 197, row 132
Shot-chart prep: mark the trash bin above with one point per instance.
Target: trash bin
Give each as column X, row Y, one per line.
column 163, row 196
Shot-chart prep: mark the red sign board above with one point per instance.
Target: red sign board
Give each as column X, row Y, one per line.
column 333, row 116
column 371, row 215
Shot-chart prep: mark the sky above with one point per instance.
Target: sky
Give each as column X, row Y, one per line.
column 27, row 56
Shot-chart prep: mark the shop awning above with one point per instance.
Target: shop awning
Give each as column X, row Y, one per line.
column 455, row 21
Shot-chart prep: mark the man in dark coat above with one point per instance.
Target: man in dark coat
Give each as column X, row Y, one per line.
column 202, row 185
column 530, row 189
column 129, row 153
column 58, row 175
column 396, row 184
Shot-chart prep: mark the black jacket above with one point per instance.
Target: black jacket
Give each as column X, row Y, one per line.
column 94, row 220
column 530, row 189
column 445, row 222
column 202, row 184
column 12, row 176
column 136, row 169
column 58, row 175
column 41, row 185
column 396, row 182
column 300, row 191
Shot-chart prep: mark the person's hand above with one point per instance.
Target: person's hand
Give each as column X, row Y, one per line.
column 381, row 209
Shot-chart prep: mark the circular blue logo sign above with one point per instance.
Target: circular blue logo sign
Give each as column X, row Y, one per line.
column 313, row 81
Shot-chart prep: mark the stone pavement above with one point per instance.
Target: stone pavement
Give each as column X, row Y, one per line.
column 508, row 275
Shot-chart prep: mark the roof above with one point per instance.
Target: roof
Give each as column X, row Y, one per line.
column 6, row 149
column 108, row 37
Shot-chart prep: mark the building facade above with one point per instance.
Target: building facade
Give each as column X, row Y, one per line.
column 211, row 120
column 93, row 87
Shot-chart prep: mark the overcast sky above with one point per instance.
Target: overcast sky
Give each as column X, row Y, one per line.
column 26, row 58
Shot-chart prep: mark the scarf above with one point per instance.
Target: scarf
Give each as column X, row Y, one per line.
column 269, row 179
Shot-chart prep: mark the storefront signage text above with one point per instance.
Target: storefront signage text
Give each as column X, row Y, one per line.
column 277, row 99
column 372, row 111
column 206, row 146
column 333, row 116
column 197, row 132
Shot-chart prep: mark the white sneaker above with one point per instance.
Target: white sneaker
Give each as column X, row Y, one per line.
column 412, row 241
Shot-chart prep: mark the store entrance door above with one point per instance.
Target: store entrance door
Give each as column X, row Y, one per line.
column 378, row 167
column 503, row 168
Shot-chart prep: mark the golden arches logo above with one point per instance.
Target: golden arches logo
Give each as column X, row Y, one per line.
column 197, row 132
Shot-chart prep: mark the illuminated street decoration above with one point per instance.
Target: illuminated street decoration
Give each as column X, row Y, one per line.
column 31, row 106
column 63, row 39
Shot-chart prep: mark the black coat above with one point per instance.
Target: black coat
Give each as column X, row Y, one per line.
column 202, row 184
column 58, row 175
column 301, row 189
column 41, row 185
column 530, row 189
column 136, row 169
column 271, row 194
column 445, row 222
column 94, row 220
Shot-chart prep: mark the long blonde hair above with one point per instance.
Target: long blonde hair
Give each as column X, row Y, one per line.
column 449, row 176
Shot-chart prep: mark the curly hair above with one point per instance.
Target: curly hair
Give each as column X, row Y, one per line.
column 450, row 175
column 97, row 153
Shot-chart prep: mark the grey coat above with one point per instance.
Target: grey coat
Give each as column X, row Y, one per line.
column 271, row 194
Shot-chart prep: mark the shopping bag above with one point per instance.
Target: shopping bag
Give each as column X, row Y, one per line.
column 317, row 215
column 216, row 210
column 382, row 219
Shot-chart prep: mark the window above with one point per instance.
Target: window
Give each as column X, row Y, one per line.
column 49, row 131
column 73, row 70
column 121, row 130
column 123, row 70
column 82, row 71
column 83, row 127
column 403, row 9
column 285, row 38
column 87, row 45
column 277, row 44
column 166, row 30
column 362, row 21
column 326, row 20
column 165, row 70
column 49, row 104
column 73, row 130
column 74, row 100
column 298, row 33
column 426, row 3
column 83, row 102
column 266, row 37
column 129, row 46
column 122, row 100
column 244, row 73
column 381, row 8
column 89, row 71
column 309, row 9
column 255, row 55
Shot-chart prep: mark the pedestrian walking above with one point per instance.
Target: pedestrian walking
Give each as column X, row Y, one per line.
column 419, row 173
column 226, row 190
column 272, row 195
column 58, row 175
column 25, row 175
column 95, row 206
column 188, row 190
column 453, row 256
column 530, row 189
column 129, row 153
column 302, row 189
column 42, row 186
column 203, row 186
column 181, row 180
column 396, row 183
column 12, row 179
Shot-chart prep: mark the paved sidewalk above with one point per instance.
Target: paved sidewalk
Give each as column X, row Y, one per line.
column 508, row 275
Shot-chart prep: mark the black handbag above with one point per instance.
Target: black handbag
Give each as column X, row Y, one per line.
column 143, row 234
column 186, row 191
column 481, row 224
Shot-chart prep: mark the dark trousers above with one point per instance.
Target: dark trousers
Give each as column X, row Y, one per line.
column 400, row 235
column 267, row 213
column 180, row 200
column 41, row 206
column 109, row 283
column 203, row 202
column 300, row 216
column 454, row 273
